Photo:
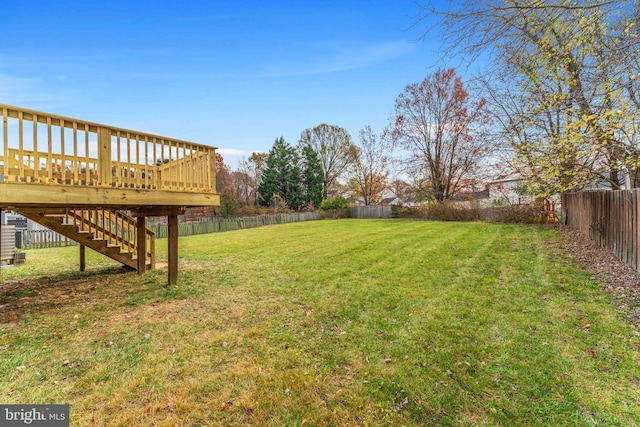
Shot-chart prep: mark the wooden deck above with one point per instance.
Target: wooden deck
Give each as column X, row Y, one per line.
column 49, row 160
column 77, row 177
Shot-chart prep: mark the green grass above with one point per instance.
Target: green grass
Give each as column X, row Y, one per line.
column 350, row 322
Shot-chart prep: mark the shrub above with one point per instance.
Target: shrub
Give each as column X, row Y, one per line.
column 337, row 202
column 451, row 211
column 400, row 212
column 279, row 204
column 470, row 211
column 253, row 210
column 518, row 214
column 228, row 204
column 335, row 213
column 310, row 207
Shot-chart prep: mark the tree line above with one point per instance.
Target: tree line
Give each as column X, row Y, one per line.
column 556, row 102
column 436, row 123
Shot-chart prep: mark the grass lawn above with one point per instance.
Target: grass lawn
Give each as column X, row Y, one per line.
column 348, row 322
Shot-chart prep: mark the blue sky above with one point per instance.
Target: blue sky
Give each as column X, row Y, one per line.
column 232, row 74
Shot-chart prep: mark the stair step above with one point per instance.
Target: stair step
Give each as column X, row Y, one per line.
column 55, row 218
column 118, row 250
column 70, row 226
column 96, row 238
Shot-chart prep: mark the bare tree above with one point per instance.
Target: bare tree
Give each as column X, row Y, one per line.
column 438, row 123
column 368, row 169
column 246, row 178
column 244, row 184
column 335, row 149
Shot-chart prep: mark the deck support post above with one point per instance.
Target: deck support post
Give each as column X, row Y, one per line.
column 82, row 258
column 142, row 244
column 173, row 248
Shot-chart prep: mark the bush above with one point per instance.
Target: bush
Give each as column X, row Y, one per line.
column 518, row 214
column 228, row 204
column 471, row 211
column 253, row 210
column 400, row 212
column 337, row 202
column 451, row 211
column 335, row 213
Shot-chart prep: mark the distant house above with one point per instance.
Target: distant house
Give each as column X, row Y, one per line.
column 21, row 223
column 387, row 198
column 501, row 191
column 602, row 184
column 504, row 191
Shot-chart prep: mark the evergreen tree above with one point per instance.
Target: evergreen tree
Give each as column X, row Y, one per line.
column 228, row 203
column 312, row 176
column 281, row 176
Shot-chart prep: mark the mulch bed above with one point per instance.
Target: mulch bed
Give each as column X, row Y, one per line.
column 620, row 280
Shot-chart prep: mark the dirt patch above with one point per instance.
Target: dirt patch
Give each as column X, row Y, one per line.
column 178, row 311
column 22, row 295
column 620, row 280
column 181, row 267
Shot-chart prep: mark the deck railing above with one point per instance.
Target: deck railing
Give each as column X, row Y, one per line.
column 43, row 148
column 115, row 227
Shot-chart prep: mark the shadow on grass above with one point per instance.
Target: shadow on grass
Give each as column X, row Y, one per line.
column 90, row 290
column 44, row 293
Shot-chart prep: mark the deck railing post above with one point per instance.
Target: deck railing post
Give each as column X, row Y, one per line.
column 104, row 157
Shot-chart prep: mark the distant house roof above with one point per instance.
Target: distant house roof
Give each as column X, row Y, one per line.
column 505, row 180
column 388, row 200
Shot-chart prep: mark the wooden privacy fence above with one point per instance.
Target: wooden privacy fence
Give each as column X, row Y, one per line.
column 609, row 218
column 234, row 223
column 35, row 239
column 370, row 211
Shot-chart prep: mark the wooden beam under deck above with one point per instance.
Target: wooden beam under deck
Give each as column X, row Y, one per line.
column 157, row 211
column 20, row 194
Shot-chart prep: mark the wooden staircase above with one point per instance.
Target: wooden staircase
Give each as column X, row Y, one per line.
column 107, row 231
